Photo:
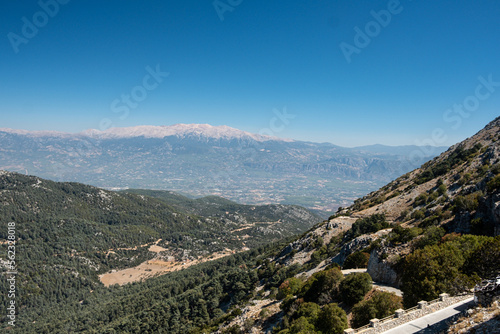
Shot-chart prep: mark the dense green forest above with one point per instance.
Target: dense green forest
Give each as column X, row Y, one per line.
column 172, row 303
column 64, row 232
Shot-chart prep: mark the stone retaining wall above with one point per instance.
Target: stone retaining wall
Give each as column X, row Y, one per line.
column 403, row 316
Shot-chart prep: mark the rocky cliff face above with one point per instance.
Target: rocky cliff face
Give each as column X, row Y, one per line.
column 358, row 244
column 493, row 212
column 497, row 217
column 382, row 262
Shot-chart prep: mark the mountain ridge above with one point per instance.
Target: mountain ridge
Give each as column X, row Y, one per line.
column 154, row 131
column 249, row 169
column 195, row 129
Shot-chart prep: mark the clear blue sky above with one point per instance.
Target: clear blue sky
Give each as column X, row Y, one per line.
column 263, row 55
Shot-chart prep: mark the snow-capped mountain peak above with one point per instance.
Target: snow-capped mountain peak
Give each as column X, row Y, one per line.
column 179, row 130
column 151, row 131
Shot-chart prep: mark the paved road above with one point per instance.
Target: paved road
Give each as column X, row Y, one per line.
column 388, row 288
column 350, row 271
column 436, row 319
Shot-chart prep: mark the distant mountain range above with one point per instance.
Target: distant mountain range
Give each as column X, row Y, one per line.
column 150, row 131
column 201, row 159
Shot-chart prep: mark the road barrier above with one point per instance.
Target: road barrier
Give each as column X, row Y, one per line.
column 403, row 316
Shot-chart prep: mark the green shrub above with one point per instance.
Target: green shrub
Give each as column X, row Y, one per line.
column 318, row 242
column 357, row 259
column 301, row 326
column 354, row 287
column 433, row 196
column 234, row 329
column 465, row 179
column 369, row 224
column 493, row 184
column 438, row 268
column 469, row 202
column 482, row 170
column 403, row 216
column 332, row 320
column 394, row 194
column 403, row 235
column 264, row 313
column 418, row 215
column 289, row 287
column 430, row 221
column 495, row 169
column 429, row 272
column 421, row 199
column 441, row 189
column 308, row 310
column 380, row 305
column 431, row 236
column 322, row 287
column 485, row 261
column 317, row 256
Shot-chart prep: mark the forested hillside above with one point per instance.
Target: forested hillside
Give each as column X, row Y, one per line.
column 69, row 233
column 286, row 219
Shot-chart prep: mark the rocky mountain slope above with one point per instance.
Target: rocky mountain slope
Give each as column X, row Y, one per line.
column 458, row 190
column 206, row 160
column 429, row 231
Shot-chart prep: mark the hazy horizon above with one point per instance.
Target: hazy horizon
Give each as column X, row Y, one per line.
column 194, row 124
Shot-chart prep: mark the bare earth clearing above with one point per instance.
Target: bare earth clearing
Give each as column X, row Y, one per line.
column 154, row 267
column 160, row 266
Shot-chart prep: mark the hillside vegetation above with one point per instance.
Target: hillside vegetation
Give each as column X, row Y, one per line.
column 69, row 233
